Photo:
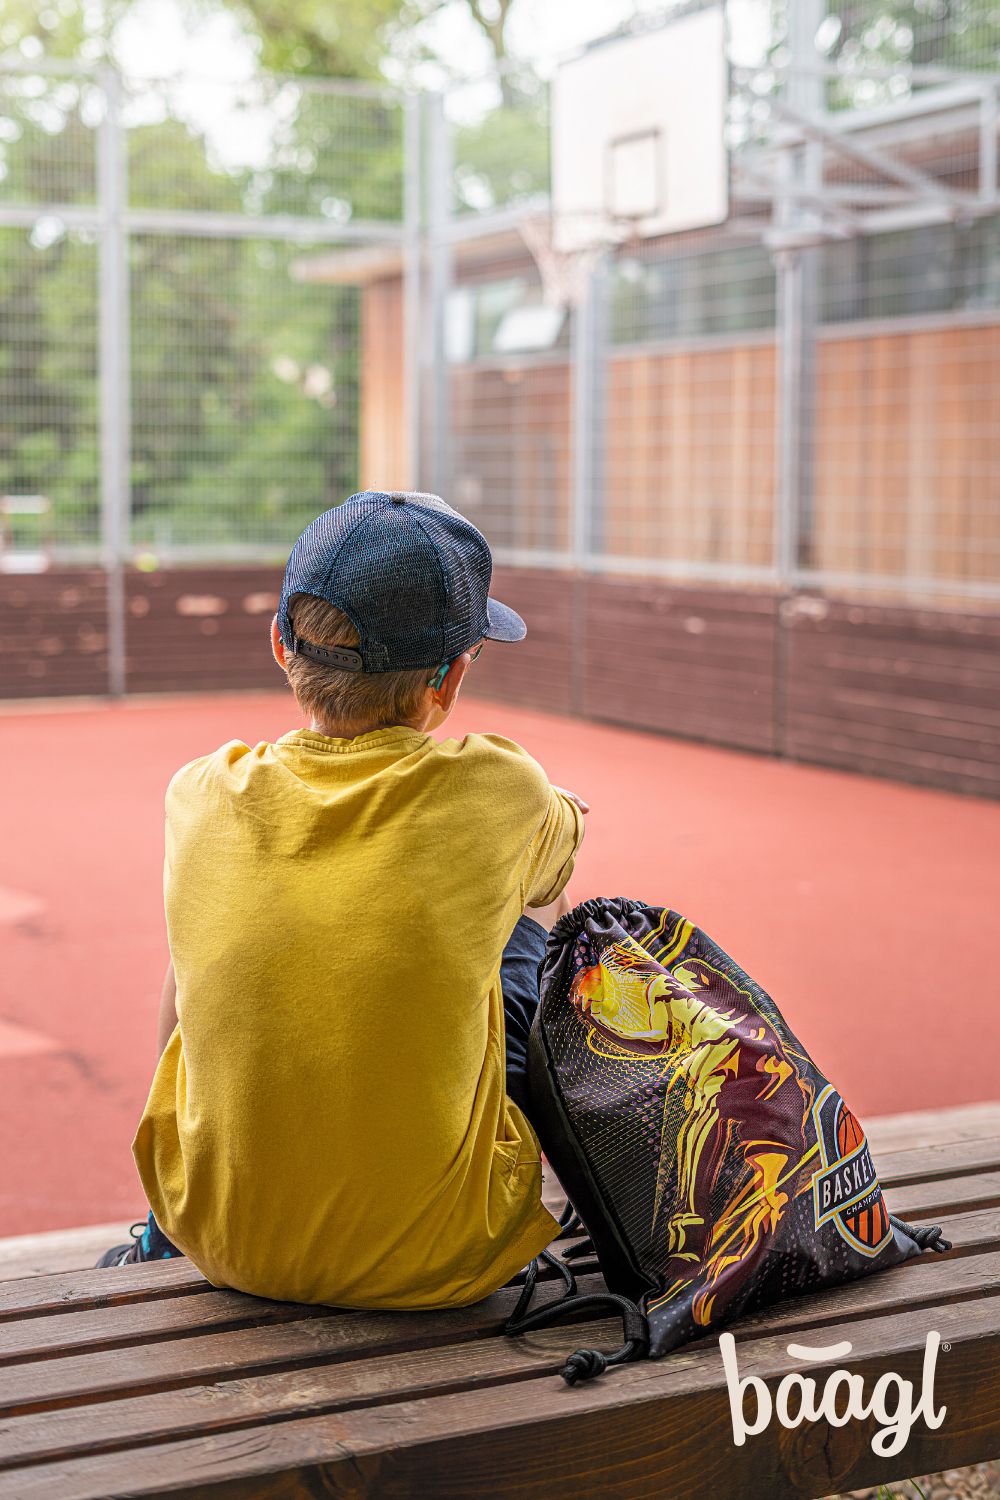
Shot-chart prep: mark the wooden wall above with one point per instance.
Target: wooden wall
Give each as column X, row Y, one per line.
column 689, row 466
column 385, row 457
column 907, row 448
column 901, row 692
column 53, row 634
column 511, row 457
column 195, row 629
column 908, row 453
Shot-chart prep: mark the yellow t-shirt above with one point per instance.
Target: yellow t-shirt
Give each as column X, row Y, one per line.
column 329, row 1122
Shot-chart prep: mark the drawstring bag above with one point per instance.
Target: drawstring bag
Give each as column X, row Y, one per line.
column 713, row 1165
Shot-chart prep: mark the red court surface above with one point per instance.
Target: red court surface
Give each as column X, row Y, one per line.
column 869, row 910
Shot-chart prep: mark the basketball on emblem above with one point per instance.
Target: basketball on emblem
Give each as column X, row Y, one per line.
column 849, row 1132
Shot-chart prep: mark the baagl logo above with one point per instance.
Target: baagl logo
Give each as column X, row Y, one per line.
column 846, row 1194
column 892, row 1402
column 846, row 1189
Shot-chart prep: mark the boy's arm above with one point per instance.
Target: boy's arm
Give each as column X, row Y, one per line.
column 554, row 847
column 168, row 1010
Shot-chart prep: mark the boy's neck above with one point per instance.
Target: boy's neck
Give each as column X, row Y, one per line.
column 352, row 731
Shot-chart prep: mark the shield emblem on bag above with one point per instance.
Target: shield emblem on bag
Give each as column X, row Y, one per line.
column 846, row 1191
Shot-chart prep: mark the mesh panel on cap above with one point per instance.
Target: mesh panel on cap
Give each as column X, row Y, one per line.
column 392, row 573
column 314, row 555
column 468, row 568
column 412, row 578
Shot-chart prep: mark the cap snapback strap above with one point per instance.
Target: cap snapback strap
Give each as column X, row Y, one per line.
column 345, row 657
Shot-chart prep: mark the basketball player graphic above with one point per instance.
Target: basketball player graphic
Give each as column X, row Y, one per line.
column 745, row 1117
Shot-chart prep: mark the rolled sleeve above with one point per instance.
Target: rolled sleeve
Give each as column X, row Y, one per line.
column 553, row 850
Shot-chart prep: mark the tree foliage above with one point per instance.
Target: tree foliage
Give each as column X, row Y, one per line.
column 244, row 380
column 888, row 37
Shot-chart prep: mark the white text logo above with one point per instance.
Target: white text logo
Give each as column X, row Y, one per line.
column 891, row 1402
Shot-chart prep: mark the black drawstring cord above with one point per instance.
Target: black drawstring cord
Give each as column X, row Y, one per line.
column 585, row 1364
column 580, row 1250
column 569, row 1222
column 927, row 1237
column 569, row 1280
column 530, row 1280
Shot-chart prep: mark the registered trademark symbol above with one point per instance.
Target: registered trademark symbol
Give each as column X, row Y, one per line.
column 945, row 1348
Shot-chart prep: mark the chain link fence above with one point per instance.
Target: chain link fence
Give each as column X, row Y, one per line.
column 740, row 405
column 224, row 307
column 166, row 382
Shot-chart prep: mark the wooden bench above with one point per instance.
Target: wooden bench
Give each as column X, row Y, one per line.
column 145, row 1381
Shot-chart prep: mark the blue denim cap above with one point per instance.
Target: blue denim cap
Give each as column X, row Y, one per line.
column 410, row 573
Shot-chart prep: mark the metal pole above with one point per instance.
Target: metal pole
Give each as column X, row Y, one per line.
column 797, row 275
column 797, row 288
column 439, row 207
column 587, row 356
column 791, row 301
column 988, row 121
column 412, row 258
column 588, row 351
column 113, row 370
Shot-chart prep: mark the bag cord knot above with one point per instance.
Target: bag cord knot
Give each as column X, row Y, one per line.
column 926, row 1236
column 585, row 1364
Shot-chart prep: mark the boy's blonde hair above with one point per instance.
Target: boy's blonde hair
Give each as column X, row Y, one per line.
column 335, row 697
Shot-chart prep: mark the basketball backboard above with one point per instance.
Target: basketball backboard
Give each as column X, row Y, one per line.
column 638, row 135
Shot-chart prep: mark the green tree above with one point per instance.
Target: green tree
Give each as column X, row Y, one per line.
column 960, row 34
column 343, row 40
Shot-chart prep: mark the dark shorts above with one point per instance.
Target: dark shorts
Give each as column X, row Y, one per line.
column 519, row 971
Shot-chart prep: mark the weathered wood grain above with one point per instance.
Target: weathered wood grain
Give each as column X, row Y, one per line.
column 646, row 1430
column 409, row 1373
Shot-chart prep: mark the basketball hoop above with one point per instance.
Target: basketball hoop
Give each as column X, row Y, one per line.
column 565, row 274
column 638, row 142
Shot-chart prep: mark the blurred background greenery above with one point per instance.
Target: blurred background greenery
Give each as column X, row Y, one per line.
column 244, row 387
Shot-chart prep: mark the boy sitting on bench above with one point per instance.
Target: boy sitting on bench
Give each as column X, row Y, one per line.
column 356, row 915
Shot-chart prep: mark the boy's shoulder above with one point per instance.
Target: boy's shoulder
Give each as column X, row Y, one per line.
column 503, row 771
column 205, row 767
column 497, row 755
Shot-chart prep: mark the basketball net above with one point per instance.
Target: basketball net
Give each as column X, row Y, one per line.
column 565, row 274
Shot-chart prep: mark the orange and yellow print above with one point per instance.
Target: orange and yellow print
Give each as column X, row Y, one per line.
column 735, row 1137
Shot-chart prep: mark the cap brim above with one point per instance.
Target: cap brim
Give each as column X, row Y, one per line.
column 505, row 623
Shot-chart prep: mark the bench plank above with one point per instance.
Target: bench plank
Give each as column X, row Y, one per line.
column 77, row 1249
column 158, row 1367
column 73, row 1376
column 58, row 1249
column 927, row 1163
column 404, row 1375
column 182, row 1361
column 931, row 1127
column 76, row 1290
column 924, row 1202
column 73, row 1291
column 144, row 1321
column 670, row 1420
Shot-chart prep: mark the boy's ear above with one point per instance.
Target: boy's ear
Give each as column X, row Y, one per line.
column 445, row 695
column 277, row 644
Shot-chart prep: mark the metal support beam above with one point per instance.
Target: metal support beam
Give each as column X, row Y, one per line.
column 412, row 278
column 112, row 193
column 847, row 146
column 588, row 354
column 439, row 212
column 989, row 120
column 797, row 232
column 299, row 229
column 588, row 360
